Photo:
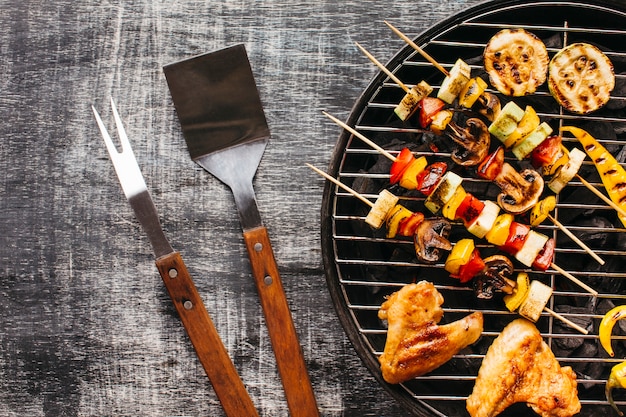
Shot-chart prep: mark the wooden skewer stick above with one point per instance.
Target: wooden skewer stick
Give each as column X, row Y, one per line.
column 566, row 321
column 384, row 69
column 601, row 196
column 573, row 279
column 418, row 49
column 369, row 203
column 361, row 136
column 341, row 185
column 575, row 239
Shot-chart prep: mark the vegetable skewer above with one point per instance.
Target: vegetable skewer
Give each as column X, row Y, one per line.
column 529, row 300
column 393, row 158
column 430, row 59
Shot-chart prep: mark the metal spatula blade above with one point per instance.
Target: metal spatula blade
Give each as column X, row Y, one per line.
column 222, row 119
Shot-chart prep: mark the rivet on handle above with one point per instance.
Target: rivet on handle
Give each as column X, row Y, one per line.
column 258, row 246
column 268, row 280
column 173, row 273
column 188, row 305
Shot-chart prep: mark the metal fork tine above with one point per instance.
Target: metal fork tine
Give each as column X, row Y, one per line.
column 120, row 129
column 124, row 162
column 107, row 139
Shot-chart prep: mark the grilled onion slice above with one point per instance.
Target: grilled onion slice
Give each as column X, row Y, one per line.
column 516, row 61
column 581, row 78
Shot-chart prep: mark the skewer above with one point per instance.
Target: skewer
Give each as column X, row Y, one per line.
column 384, row 69
column 418, row 49
column 369, row 203
column 554, row 221
column 393, row 158
column 430, row 59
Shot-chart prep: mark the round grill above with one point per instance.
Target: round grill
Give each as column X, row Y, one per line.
column 363, row 267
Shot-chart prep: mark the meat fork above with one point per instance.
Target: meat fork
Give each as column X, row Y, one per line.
column 211, row 351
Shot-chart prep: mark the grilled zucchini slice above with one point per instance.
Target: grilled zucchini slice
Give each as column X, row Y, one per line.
column 581, row 78
column 516, row 61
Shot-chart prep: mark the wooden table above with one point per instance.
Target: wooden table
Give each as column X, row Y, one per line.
column 86, row 327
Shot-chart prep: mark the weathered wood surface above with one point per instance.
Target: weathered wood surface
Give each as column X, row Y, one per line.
column 86, row 327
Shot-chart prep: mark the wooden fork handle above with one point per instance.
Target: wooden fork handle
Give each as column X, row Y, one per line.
column 211, row 352
column 282, row 332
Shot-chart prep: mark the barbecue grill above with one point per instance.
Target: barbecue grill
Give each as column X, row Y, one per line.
column 363, row 267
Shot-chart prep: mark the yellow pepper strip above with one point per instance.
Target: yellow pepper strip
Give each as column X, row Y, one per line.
column 617, row 379
column 499, row 232
column 606, row 327
column 459, row 256
column 613, row 175
column 540, row 211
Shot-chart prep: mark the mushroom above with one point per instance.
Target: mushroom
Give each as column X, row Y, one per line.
column 488, row 105
column 473, row 141
column 431, row 237
column 520, row 190
column 494, row 277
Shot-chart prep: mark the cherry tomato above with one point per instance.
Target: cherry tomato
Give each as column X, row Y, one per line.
column 399, row 165
column 429, row 178
column 472, row 267
column 544, row 258
column 429, row 106
column 469, row 209
column 492, row 165
column 546, row 151
column 518, row 233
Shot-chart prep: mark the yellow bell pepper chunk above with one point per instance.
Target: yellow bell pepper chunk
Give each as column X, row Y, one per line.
column 606, row 327
column 513, row 301
column 449, row 209
column 440, row 121
column 540, row 211
column 459, row 256
column 409, row 176
column 473, row 89
column 396, row 215
column 498, row 234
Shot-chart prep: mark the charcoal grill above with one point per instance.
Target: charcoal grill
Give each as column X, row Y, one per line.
column 362, row 266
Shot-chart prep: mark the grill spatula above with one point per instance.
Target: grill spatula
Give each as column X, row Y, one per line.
column 222, row 119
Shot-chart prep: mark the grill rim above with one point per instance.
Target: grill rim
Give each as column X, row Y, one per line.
column 329, row 199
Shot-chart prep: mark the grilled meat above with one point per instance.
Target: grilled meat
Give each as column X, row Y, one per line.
column 416, row 344
column 520, row 367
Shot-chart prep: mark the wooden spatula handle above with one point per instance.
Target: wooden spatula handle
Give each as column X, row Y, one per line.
column 287, row 349
column 209, row 347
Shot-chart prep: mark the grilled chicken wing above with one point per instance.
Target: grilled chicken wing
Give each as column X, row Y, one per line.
column 520, row 367
column 416, row 344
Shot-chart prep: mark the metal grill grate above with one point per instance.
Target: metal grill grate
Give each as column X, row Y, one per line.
column 363, row 267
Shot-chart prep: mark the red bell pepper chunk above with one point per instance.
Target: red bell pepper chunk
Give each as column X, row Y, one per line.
column 429, row 107
column 492, row 165
column 408, row 226
column 428, row 179
column 472, row 267
column 545, row 257
column 546, row 151
column 469, row 209
column 518, row 233
column 398, row 167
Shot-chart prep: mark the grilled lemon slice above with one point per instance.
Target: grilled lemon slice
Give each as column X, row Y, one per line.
column 516, row 61
column 581, row 78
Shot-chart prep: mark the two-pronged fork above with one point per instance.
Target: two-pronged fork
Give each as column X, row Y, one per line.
column 201, row 330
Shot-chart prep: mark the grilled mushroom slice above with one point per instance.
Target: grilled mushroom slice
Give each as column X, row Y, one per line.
column 473, row 141
column 495, row 277
column 520, row 190
column 581, row 78
column 516, row 61
column 431, row 238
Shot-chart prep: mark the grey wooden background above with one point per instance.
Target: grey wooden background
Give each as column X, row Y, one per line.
column 86, row 327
